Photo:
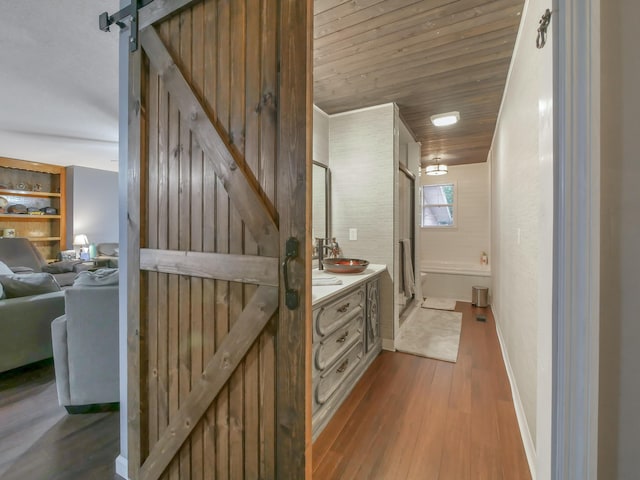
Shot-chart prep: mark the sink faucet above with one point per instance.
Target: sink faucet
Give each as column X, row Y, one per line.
column 320, row 246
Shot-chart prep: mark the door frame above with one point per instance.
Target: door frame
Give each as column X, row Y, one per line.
column 576, row 275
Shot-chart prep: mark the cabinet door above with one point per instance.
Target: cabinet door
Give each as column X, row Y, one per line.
column 373, row 315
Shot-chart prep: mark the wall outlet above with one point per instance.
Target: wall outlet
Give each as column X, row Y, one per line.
column 353, row 234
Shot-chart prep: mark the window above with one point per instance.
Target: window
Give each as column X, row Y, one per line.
column 438, row 205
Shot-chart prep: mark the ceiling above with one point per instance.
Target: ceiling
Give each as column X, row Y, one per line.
column 58, row 83
column 59, row 75
column 427, row 56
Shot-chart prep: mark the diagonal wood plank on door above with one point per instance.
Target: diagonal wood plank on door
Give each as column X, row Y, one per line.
column 234, row 347
column 241, row 191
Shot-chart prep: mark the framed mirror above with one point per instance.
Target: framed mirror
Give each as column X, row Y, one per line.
column 321, row 201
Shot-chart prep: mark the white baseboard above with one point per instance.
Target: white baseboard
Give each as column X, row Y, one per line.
column 529, row 447
column 388, row 344
column 122, row 467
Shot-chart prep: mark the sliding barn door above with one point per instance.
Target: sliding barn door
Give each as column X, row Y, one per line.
column 220, row 122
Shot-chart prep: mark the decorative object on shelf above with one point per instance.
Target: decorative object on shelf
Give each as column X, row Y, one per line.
column 3, row 203
column 21, row 186
column 33, row 211
column 436, row 169
column 49, row 211
column 17, row 208
column 9, row 233
column 484, row 259
column 80, row 245
column 37, row 187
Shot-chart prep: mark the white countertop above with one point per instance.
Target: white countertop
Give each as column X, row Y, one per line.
column 320, row 293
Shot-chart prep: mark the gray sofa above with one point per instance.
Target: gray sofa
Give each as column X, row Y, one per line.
column 19, row 254
column 25, row 328
column 85, row 344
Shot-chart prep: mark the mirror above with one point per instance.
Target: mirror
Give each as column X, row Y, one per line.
column 321, row 201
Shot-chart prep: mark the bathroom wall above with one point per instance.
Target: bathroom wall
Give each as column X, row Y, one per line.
column 361, row 153
column 462, row 245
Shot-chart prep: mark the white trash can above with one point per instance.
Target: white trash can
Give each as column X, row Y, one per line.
column 480, row 296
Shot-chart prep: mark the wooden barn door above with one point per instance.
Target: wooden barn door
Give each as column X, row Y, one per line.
column 220, row 132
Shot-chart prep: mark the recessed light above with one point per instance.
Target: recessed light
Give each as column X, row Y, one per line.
column 444, row 119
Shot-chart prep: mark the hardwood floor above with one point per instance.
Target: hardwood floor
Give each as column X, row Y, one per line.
column 416, row 418
column 40, row 441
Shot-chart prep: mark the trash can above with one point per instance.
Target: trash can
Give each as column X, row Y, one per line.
column 480, row 296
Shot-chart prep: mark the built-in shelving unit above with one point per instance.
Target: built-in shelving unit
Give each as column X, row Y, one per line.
column 35, row 185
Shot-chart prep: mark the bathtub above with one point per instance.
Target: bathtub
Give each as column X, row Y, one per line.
column 453, row 280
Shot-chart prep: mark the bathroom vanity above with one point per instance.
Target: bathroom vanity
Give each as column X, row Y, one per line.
column 346, row 338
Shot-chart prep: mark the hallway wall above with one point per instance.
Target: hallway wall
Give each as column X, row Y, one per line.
column 522, row 230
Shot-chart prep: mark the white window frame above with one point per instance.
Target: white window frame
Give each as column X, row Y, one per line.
column 454, row 205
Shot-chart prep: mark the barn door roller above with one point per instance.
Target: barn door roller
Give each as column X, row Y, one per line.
column 131, row 10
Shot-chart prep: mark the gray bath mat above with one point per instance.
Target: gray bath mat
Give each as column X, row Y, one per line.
column 431, row 333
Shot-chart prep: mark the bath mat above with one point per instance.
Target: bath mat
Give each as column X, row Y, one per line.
column 439, row 303
column 431, row 333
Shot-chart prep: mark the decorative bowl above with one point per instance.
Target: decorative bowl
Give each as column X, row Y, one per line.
column 344, row 265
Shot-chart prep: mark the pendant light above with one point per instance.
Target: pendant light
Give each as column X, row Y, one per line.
column 436, row 169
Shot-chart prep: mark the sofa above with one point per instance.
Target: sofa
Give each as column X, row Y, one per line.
column 85, row 343
column 28, row 305
column 21, row 256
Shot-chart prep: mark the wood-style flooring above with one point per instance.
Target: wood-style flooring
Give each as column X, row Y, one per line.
column 40, row 441
column 416, row 418
column 407, row 418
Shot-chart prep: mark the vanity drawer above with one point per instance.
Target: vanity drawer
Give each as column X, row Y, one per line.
column 335, row 314
column 333, row 377
column 327, row 351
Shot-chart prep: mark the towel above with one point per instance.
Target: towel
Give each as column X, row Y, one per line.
column 321, row 281
column 408, row 282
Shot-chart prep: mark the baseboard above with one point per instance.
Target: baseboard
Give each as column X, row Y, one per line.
column 122, row 467
column 388, row 344
column 529, row 447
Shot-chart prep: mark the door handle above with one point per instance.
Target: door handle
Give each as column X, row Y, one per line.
column 291, row 297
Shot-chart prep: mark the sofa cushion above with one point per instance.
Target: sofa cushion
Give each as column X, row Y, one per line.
column 103, row 276
column 25, row 285
column 4, row 269
column 1, row 292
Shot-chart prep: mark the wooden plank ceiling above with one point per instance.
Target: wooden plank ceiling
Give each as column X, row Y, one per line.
column 428, row 56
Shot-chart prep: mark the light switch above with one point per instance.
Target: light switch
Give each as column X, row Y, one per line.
column 353, row 234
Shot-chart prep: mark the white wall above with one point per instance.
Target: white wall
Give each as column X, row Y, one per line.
column 92, row 204
column 522, row 222
column 619, row 421
column 463, row 244
column 320, row 136
column 361, row 153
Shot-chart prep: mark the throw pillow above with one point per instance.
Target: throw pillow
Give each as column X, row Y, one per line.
column 64, row 266
column 103, row 276
column 22, row 269
column 4, row 270
column 25, row 285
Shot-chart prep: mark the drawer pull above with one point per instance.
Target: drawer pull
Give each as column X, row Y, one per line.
column 344, row 308
column 343, row 367
column 343, row 338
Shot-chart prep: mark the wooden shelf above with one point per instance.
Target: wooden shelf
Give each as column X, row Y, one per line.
column 24, row 216
column 29, row 193
column 44, row 239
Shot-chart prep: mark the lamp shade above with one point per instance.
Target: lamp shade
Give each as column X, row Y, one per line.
column 81, row 240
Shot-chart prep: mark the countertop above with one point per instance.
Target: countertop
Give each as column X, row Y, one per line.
column 320, row 293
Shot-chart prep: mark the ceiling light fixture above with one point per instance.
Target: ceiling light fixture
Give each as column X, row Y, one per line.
column 436, row 169
column 444, row 119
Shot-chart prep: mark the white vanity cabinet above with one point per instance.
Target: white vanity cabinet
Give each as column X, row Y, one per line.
column 346, row 339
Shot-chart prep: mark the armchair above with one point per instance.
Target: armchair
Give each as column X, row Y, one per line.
column 85, row 348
